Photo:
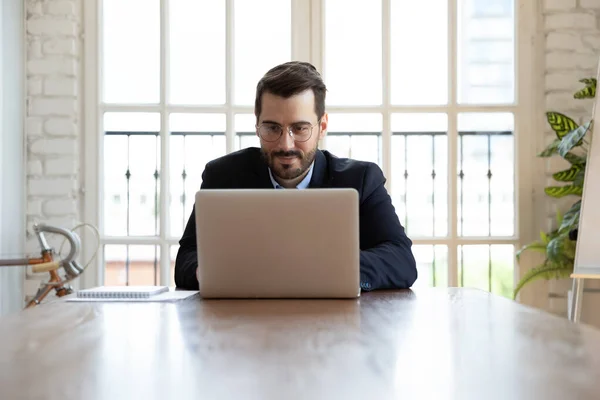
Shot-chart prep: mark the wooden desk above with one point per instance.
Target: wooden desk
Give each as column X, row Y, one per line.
column 427, row 344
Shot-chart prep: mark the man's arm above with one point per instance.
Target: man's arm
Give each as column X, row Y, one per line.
column 186, row 262
column 386, row 258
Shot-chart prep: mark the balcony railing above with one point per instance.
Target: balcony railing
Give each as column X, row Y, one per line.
column 485, row 192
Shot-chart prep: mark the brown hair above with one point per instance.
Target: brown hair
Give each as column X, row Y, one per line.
column 289, row 79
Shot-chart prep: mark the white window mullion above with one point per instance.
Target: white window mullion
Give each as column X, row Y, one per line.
column 165, row 261
column 386, row 138
column 301, row 30
column 423, row 108
column 528, row 217
column 137, row 240
column 100, row 275
column 229, row 63
column 93, row 150
column 317, row 33
column 179, row 109
column 333, row 109
column 463, row 240
column 452, row 144
column 147, row 108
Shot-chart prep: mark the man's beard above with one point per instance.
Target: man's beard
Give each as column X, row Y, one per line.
column 287, row 172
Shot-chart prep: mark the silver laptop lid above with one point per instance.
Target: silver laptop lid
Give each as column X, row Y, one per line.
column 278, row 243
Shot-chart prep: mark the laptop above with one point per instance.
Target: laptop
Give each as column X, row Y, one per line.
column 264, row 243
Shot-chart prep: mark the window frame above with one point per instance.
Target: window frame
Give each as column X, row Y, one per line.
column 308, row 44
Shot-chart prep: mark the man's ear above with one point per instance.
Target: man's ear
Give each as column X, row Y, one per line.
column 323, row 126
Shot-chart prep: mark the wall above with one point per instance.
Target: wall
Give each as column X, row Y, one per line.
column 53, row 125
column 12, row 176
column 572, row 31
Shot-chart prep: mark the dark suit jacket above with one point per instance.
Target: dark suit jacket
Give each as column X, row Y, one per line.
column 386, row 259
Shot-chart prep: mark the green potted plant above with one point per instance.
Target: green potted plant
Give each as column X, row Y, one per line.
column 559, row 244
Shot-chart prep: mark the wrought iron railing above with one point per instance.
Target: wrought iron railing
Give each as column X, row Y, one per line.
column 437, row 149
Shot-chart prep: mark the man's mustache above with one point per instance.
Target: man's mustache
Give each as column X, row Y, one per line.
column 290, row 153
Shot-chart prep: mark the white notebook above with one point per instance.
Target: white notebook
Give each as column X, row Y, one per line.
column 122, row 292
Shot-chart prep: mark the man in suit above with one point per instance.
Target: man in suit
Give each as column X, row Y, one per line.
column 290, row 120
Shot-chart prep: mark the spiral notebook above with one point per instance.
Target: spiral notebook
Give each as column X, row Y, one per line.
column 122, row 292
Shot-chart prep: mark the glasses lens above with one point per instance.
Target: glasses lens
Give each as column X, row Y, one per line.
column 301, row 132
column 269, row 132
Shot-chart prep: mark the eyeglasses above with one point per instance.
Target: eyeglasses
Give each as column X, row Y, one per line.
column 271, row 132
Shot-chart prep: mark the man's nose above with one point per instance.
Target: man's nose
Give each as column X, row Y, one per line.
column 286, row 141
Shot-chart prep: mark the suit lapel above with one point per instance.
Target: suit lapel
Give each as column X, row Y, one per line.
column 319, row 177
column 261, row 172
column 264, row 181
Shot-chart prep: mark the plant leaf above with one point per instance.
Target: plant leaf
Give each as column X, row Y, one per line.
column 589, row 91
column 560, row 123
column 562, row 191
column 571, row 218
column 574, row 158
column 573, row 139
column 555, row 251
column 588, row 81
column 578, row 181
column 568, row 175
column 551, row 150
column 535, row 246
column 561, row 249
column 544, row 271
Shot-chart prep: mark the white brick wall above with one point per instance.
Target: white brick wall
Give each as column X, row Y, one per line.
column 590, row 4
column 572, row 31
column 53, row 112
column 560, row 4
column 570, row 19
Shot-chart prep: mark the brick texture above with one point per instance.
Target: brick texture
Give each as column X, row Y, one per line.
column 590, row 4
column 560, row 4
column 570, row 20
column 60, row 126
column 60, row 46
column 53, row 130
column 572, row 32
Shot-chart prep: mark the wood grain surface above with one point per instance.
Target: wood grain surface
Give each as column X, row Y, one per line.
column 422, row 344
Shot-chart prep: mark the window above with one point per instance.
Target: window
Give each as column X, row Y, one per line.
column 424, row 89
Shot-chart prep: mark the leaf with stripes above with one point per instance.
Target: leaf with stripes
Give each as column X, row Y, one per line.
column 560, row 123
column 589, row 91
column 574, row 159
column 551, row 150
column 579, row 177
column 571, row 218
column 573, row 138
column 588, row 81
column 561, row 249
column 568, row 175
column 562, row 191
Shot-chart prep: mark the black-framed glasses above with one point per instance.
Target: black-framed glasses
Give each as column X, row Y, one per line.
column 271, row 132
